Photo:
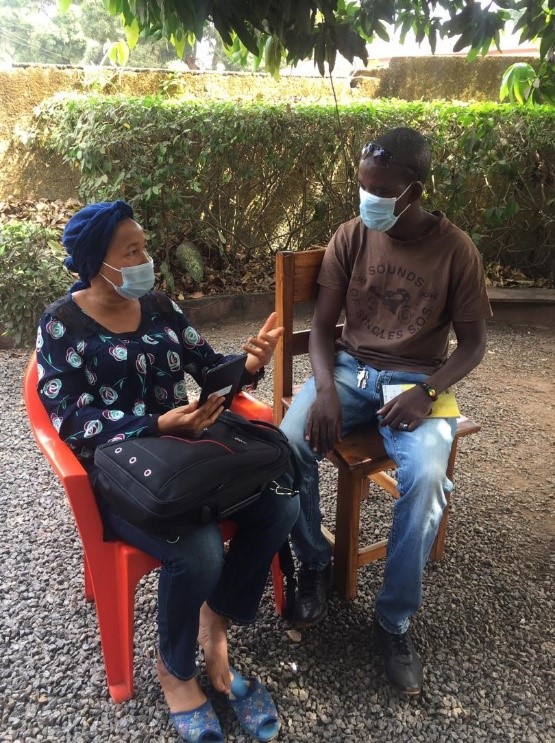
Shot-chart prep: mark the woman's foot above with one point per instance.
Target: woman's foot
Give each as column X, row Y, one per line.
column 212, row 638
column 181, row 696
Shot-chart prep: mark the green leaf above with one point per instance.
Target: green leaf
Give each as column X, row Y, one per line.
column 118, row 53
column 179, row 44
column 320, row 54
column 432, row 38
column 331, row 53
column 517, row 83
column 132, row 33
column 381, row 31
column 272, row 55
column 546, row 45
column 472, row 54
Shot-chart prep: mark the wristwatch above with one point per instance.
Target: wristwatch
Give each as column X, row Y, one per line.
column 430, row 391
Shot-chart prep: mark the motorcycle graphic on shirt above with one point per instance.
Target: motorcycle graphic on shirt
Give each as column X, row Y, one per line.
column 394, row 301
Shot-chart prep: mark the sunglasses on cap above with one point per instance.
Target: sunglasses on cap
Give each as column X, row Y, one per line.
column 383, row 157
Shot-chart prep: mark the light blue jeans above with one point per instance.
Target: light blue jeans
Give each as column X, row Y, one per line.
column 421, row 457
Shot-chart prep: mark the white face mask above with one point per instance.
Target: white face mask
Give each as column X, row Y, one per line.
column 377, row 211
column 137, row 280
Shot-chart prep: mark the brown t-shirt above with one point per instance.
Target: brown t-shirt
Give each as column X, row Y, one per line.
column 400, row 297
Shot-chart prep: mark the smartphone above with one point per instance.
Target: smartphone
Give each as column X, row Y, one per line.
column 223, row 380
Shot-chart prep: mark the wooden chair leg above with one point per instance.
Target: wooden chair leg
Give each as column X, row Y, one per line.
column 438, row 548
column 352, row 488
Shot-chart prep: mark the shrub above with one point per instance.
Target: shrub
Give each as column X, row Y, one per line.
column 235, row 183
column 31, row 276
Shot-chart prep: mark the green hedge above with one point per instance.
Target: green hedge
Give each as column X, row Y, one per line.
column 31, row 276
column 232, row 183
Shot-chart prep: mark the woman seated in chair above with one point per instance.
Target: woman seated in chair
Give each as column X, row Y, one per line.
column 112, row 356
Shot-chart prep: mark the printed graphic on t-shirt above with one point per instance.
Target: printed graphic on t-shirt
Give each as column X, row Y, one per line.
column 392, row 300
column 400, row 297
column 390, row 313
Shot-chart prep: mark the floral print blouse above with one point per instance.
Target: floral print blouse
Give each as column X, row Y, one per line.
column 99, row 386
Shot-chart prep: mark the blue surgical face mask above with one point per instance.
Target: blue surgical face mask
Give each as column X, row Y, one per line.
column 137, row 280
column 377, row 211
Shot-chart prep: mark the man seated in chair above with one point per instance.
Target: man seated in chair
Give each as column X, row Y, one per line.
column 404, row 277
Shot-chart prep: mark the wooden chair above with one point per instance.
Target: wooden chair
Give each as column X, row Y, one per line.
column 361, row 455
column 113, row 569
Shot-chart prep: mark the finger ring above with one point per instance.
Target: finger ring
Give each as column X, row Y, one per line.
column 403, row 426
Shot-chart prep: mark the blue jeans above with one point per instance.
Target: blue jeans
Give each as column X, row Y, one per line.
column 195, row 569
column 421, row 457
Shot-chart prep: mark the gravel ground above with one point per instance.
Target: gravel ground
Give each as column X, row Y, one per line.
column 485, row 631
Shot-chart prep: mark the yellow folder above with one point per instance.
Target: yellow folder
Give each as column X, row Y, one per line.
column 444, row 407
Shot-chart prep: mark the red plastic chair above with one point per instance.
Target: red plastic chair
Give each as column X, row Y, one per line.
column 113, row 569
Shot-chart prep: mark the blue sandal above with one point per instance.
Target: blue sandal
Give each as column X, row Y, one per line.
column 199, row 725
column 254, row 707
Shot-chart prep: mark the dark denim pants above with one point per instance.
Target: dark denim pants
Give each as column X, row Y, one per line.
column 195, row 569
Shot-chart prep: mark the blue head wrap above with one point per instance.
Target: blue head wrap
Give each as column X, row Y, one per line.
column 87, row 236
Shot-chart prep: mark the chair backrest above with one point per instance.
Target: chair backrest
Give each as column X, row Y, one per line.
column 64, row 463
column 296, row 282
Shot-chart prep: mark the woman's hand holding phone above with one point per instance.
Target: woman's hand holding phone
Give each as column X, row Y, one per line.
column 190, row 420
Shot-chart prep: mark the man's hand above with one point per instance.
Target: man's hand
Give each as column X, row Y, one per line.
column 406, row 411
column 260, row 349
column 191, row 420
column 323, row 426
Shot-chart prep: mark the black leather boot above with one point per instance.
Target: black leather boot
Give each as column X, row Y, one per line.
column 403, row 667
column 311, row 598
